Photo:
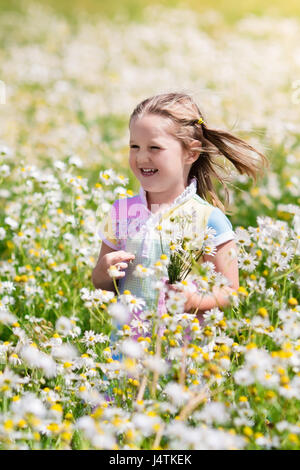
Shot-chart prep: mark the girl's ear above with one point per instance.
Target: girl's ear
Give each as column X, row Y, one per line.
column 193, row 154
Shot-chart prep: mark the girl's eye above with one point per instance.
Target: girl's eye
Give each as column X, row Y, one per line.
column 152, row 147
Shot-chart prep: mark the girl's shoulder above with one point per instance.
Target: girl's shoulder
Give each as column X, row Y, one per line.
column 201, row 205
column 215, row 212
column 217, row 220
column 199, row 199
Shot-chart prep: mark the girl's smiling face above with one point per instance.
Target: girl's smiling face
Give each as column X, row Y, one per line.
column 154, row 148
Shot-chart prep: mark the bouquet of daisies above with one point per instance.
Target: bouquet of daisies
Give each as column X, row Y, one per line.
column 187, row 249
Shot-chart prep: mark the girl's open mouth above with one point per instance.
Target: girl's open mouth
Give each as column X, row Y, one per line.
column 148, row 171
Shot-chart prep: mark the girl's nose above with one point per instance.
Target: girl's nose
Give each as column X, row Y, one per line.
column 143, row 158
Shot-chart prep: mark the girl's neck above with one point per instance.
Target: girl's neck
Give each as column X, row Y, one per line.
column 156, row 201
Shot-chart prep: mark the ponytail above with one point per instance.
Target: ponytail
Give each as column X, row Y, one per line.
column 245, row 158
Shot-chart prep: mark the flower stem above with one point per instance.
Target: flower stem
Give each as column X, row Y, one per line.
column 295, row 268
column 116, row 287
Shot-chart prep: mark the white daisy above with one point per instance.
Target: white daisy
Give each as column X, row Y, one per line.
column 92, row 338
column 142, row 272
column 247, row 262
column 242, row 236
column 107, row 176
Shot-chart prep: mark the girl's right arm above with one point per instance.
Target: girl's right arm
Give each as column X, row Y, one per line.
column 108, row 257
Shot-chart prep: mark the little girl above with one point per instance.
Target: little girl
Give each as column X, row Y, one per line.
column 174, row 155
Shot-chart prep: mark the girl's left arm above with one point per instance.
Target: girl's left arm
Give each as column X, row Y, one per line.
column 225, row 261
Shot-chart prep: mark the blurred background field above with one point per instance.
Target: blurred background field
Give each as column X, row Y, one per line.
column 71, row 73
column 232, row 10
column 74, row 71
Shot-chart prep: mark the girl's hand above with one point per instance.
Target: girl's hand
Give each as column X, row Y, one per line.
column 119, row 259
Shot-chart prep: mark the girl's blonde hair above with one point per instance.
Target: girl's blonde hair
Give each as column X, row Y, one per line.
column 184, row 114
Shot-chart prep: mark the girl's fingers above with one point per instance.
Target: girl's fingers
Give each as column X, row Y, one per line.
column 121, row 265
column 123, row 256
